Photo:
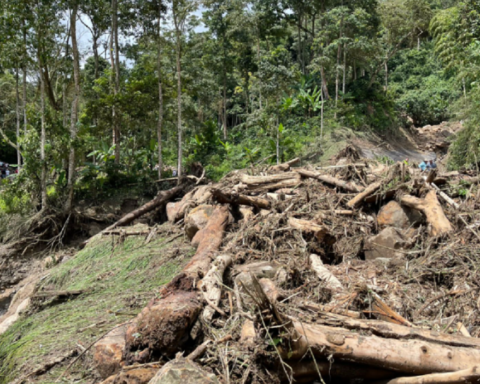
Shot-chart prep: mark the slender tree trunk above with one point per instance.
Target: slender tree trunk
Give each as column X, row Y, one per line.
column 24, row 70
column 179, row 101
column 464, row 89
column 74, row 117
column 354, row 70
column 43, row 176
column 278, row 143
column 337, row 76
column 160, row 100
column 17, row 110
column 344, row 68
column 386, row 76
column 116, row 70
column 224, row 103
column 324, row 83
column 64, row 89
column 322, row 98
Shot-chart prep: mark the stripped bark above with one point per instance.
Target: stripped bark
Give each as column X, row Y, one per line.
column 348, row 186
column 399, row 354
column 319, row 231
column 357, row 200
column 212, row 284
column 324, row 274
column 237, row 199
column 431, row 208
column 470, row 375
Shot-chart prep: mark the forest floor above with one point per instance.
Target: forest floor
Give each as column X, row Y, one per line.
column 325, row 252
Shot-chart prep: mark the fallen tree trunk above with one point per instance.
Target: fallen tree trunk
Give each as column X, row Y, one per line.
column 470, row 375
column 260, row 180
column 319, row 231
column 236, row 199
column 431, row 208
column 324, row 274
column 401, row 354
column 212, row 284
column 271, row 182
column 176, row 211
column 284, row 166
column 164, row 325
column 162, row 198
column 357, row 200
column 348, row 186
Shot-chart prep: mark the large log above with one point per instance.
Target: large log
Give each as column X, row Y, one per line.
column 357, row 200
column 162, row 198
column 237, row 199
column 348, row 186
column 200, row 195
column 163, row 327
column 271, row 182
column 407, row 355
column 431, row 208
column 260, row 180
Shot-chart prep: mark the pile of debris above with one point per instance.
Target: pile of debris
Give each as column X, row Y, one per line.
column 357, row 272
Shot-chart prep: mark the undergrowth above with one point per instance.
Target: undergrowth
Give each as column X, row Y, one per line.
column 118, row 280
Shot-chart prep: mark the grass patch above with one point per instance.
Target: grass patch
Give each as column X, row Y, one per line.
column 119, row 280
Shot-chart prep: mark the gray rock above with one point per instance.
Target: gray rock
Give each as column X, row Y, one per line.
column 183, row 371
column 385, row 244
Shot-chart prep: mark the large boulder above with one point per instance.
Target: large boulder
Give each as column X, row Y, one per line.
column 172, row 209
column 395, row 215
column 107, row 352
column 183, row 371
column 385, row 244
column 197, row 219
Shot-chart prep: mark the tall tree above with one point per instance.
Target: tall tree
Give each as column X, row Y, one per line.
column 75, row 105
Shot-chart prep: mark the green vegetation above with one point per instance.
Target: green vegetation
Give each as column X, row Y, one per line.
column 119, row 281
column 224, row 83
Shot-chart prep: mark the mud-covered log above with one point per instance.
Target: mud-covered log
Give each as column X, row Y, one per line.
column 208, row 240
column 324, row 274
column 212, row 284
column 319, row 231
column 162, row 198
column 284, row 166
column 431, row 208
column 357, row 200
column 465, row 376
column 347, row 186
column 401, row 354
column 163, row 327
column 237, row 199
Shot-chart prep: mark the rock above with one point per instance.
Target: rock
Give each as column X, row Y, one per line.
column 107, row 352
column 395, row 215
column 141, row 375
column 172, row 209
column 202, row 194
column 197, row 219
column 384, row 244
column 183, row 371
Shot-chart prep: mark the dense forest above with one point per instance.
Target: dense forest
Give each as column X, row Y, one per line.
column 150, row 87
